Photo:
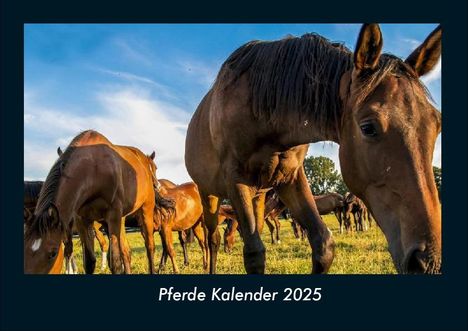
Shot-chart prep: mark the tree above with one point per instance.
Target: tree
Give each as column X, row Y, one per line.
column 321, row 174
column 438, row 178
column 341, row 187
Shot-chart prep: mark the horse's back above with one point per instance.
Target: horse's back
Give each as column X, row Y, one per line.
column 188, row 205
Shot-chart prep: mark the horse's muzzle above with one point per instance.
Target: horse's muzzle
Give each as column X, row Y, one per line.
column 420, row 260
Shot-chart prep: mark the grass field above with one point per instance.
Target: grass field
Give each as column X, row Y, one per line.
column 355, row 253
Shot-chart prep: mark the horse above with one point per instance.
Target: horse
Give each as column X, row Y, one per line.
column 354, row 205
column 228, row 215
column 273, row 209
column 282, row 95
column 186, row 236
column 331, row 202
column 32, row 190
column 326, row 203
column 93, row 180
column 185, row 213
column 298, row 230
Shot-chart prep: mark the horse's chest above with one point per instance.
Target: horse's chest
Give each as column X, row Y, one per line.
column 274, row 169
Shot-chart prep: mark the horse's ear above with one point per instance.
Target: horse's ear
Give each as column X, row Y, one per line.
column 368, row 47
column 52, row 212
column 59, row 151
column 425, row 57
column 153, row 155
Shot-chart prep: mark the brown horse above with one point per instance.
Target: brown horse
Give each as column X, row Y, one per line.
column 186, row 236
column 326, row 203
column 93, row 179
column 185, row 213
column 32, row 190
column 274, row 207
column 228, row 215
column 353, row 205
column 282, row 95
column 331, row 202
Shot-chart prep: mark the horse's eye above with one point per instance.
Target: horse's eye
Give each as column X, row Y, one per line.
column 52, row 254
column 368, row 129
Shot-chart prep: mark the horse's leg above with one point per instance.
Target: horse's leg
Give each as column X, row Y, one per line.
column 230, row 235
column 125, row 248
column 103, row 243
column 295, row 229
column 277, row 229
column 226, row 235
column 147, row 227
column 114, row 220
column 85, row 229
column 68, row 253
column 189, row 236
column 340, row 221
column 242, row 199
column 210, row 217
column 162, row 261
column 271, row 228
column 199, row 233
column 359, row 215
column 169, row 246
column 300, row 201
column 183, row 243
column 258, row 203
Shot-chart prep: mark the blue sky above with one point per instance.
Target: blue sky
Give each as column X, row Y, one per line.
column 139, row 84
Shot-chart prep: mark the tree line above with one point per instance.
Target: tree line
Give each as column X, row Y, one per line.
column 324, row 178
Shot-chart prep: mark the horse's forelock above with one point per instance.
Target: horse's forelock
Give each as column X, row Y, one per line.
column 41, row 226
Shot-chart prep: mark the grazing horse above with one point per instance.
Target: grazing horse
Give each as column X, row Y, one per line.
column 326, row 203
column 331, row 202
column 354, row 205
column 92, row 180
column 282, row 95
column 185, row 213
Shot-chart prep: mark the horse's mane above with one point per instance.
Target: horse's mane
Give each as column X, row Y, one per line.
column 297, row 79
column 40, row 224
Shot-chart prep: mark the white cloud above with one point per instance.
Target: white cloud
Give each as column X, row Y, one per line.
column 136, row 79
column 437, row 161
column 433, row 75
column 127, row 117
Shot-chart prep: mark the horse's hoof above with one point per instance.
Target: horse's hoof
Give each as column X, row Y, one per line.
column 186, row 264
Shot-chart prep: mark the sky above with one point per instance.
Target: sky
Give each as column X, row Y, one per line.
column 139, row 84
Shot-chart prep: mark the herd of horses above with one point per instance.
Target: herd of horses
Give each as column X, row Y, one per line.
column 277, row 97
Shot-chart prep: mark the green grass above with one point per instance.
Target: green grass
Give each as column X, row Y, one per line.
column 355, row 253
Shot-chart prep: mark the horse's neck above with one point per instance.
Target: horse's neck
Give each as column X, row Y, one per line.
column 69, row 200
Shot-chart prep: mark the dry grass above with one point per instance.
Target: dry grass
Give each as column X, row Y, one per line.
column 356, row 253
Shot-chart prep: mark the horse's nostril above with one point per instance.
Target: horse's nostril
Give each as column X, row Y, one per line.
column 417, row 262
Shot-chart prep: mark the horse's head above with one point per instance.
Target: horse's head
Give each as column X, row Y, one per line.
column 42, row 242
column 387, row 137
